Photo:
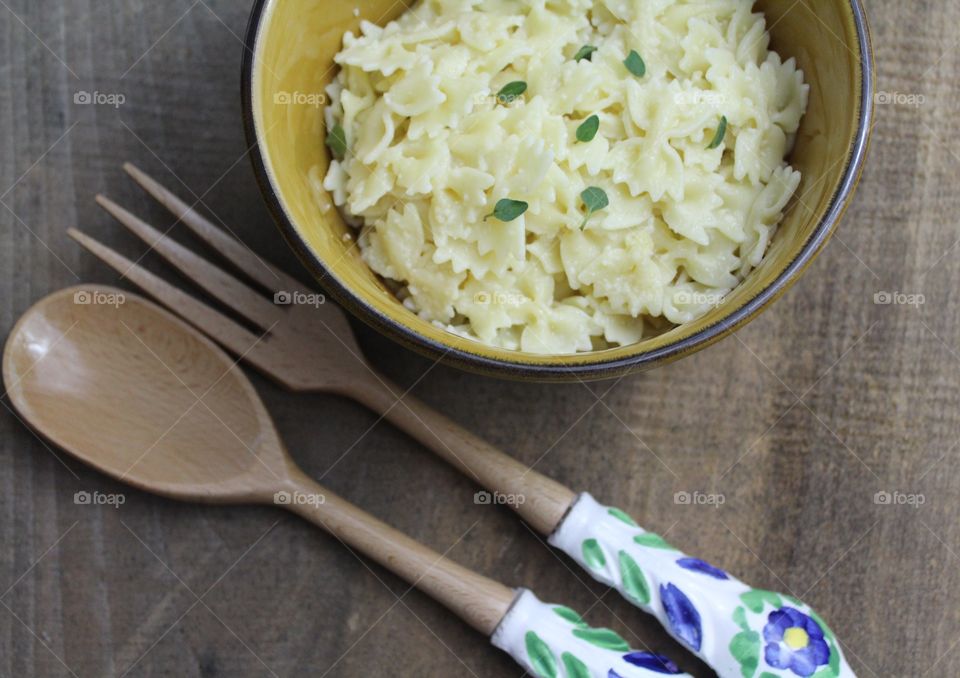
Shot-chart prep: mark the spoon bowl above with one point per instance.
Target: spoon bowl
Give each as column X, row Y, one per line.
column 138, row 394
column 141, row 396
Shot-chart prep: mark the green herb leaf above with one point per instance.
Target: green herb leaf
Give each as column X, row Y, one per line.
column 603, row 638
column 541, row 658
column 588, row 129
column 721, row 132
column 507, row 210
column 570, row 615
column 511, row 91
column 593, row 554
column 337, row 142
column 594, row 199
column 585, row 52
column 634, row 64
column 574, row 667
column 634, row 583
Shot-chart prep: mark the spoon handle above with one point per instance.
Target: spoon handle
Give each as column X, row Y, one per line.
column 479, row 601
column 541, row 501
column 547, row 640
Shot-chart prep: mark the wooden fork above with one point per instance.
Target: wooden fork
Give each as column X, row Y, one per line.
column 309, row 347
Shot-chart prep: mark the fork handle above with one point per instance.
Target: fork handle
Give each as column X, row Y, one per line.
column 540, row 501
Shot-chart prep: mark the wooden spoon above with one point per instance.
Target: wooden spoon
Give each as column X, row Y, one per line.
column 140, row 395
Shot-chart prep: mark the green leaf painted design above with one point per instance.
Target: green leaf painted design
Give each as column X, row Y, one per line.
column 721, row 132
column 634, row 583
column 541, row 658
column 740, row 618
column 588, row 129
column 593, row 554
column 755, row 598
column 620, row 515
column 767, row 674
column 634, row 64
column 574, row 667
column 603, row 638
column 570, row 615
column 745, row 648
column 585, row 52
column 653, row 540
column 337, row 142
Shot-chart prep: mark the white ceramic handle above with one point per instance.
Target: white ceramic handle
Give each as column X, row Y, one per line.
column 741, row 632
column 552, row 641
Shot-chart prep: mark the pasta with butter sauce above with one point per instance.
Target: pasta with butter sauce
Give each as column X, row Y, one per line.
column 689, row 155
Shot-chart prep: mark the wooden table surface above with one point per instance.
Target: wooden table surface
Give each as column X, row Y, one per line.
column 796, row 423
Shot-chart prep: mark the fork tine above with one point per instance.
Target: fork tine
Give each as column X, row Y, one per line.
column 230, row 247
column 232, row 336
column 217, row 282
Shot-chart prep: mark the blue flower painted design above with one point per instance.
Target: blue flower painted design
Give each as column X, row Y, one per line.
column 794, row 642
column 652, row 662
column 703, row 567
column 682, row 615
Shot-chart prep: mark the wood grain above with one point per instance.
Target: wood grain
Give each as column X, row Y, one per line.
column 825, row 400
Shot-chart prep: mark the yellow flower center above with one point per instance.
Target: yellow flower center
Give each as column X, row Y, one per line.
column 796, row 638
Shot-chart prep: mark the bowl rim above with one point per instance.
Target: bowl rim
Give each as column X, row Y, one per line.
column 588, row 369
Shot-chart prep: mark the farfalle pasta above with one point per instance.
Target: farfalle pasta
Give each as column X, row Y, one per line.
column 696, row 116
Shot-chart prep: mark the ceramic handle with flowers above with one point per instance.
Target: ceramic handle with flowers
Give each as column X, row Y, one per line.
column 552, row 641
column 740, row 631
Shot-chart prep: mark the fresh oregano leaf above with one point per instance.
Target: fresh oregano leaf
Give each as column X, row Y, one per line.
column 603, row 638
column 575, row 668
column 594, row 199
column 507, row 210
column 585, row 52
column 541, row 658
column 337, row 142
column 511, row 91
column 634, row 64
column 588, row 129
column 721, row 132
column 593, row 554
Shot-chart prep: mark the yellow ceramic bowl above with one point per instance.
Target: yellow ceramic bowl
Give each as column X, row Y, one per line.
column 289, row 61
